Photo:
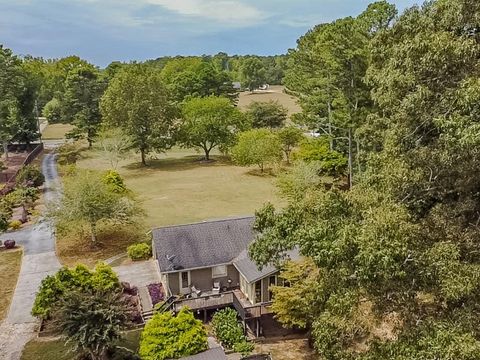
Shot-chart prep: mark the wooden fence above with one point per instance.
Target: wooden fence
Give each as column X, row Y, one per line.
column 10, row 183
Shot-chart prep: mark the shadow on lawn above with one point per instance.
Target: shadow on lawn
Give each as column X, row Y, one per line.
column 179, row 164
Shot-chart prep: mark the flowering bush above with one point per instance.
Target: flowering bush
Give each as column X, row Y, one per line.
column 156, row 293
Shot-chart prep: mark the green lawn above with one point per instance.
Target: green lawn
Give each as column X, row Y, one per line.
column 56, row 131
column 40, row 349
column 10, row 262
column 177, row 188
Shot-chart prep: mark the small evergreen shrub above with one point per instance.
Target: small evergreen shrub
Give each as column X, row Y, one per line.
column 15, row 224
column 113, row 179
column 139, row 251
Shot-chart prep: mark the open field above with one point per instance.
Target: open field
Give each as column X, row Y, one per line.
column 274, row 93
column 48, row 349
column 177, row 188
column 10, row 261
column 56, row 131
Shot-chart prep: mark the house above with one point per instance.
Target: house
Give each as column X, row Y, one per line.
column 237, row 85
column 207, row 265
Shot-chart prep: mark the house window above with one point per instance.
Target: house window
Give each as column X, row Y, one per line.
column 272, row 281
column 219, row 271
column 258, row 292
column 184, row 280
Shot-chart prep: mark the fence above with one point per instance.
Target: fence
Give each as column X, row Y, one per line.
column 10, row 183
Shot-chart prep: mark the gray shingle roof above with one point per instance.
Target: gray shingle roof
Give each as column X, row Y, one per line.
column 249, row 269
column 201, row 244
column 212, row 354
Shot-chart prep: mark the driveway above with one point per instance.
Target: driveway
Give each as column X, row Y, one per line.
column 39, row 260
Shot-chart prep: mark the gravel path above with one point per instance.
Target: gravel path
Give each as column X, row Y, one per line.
column 39, row 260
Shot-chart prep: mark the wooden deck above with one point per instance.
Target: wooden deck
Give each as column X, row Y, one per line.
column 233, row 298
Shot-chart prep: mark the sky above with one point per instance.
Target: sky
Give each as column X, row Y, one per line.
column 102, row 31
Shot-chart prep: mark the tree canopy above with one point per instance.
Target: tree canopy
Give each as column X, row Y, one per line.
column 210, row 122
column 137, row 102
column 397, row 251
column 269, row 114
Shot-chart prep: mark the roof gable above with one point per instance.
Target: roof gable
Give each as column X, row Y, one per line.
column 202, row 244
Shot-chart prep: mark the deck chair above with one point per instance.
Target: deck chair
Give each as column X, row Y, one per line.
column 195, row 292
column 216, row 287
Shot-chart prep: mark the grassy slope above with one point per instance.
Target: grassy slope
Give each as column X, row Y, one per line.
column 274, row 93
column 175, row 189
column 10, row 262
column 56, row 131
column 178, row 189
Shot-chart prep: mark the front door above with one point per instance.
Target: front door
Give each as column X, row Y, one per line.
column 184, row 278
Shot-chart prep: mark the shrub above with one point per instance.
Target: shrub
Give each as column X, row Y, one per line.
column 53, row 111
column 228, row 331
column 244, row 347
column 331, row 162
column 139, row 251
column 113, row 179
column 171, row 337
column 9, row 244
column 15, row 224
column 30, row 175
column 156, row 293
column 54, row 287
column 68, row 154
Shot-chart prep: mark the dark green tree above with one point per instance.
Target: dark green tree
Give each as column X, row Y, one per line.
column 267, row 114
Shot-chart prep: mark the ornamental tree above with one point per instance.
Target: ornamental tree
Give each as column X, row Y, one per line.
column 168, row 336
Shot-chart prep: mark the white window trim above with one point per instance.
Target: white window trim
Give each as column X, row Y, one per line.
column 219, row 275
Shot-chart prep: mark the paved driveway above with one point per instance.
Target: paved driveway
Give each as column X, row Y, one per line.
column 39, row 260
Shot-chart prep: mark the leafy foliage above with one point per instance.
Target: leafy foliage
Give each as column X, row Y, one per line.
column 267, row 114
column 257, row 147
column 227, row 329
column 210, row 122
column 171, row 337
column 252, row 73
column 115, row 182
column 137, row 102
column 30, row 175
column 89, row 199
column 317, row 150
column 400, row 244
column 140, row 251
column 54, row 287
column 92, row 321
column 290, row 137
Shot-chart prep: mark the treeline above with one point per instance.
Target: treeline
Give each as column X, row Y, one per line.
column 391, row 267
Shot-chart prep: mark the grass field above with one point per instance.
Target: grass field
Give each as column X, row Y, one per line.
column 56, row 131
column 274, row 93
column 177, row 188
column 10, row 261
column 45, row 349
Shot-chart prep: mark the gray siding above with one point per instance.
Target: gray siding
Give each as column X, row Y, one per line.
column 202, row 279
column 174, row 283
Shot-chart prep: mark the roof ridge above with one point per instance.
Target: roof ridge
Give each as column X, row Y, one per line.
column 203, row 222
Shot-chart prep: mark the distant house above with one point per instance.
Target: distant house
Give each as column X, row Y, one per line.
column 237, row 85
column 207, row 265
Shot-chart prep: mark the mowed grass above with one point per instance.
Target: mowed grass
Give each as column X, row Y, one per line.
column 177, row 188
column 10, row 262
column 47, row 349
column 56, row 131
column 274, row 93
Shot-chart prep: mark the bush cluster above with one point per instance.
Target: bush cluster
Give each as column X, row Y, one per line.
column 229, row 332
column 79, row 278
column 139, row 251
column 15, row 224
column 30, row 175
column 167, row 336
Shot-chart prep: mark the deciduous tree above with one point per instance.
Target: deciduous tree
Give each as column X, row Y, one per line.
column 137, row 102
column 210, row 122
column 268, row 114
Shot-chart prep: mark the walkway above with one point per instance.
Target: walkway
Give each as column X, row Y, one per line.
column 39, row 260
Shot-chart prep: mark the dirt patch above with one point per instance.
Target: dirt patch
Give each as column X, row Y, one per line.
column 287, row 349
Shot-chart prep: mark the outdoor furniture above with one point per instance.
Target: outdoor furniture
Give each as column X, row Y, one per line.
column 195, row 292
column 216, row 287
